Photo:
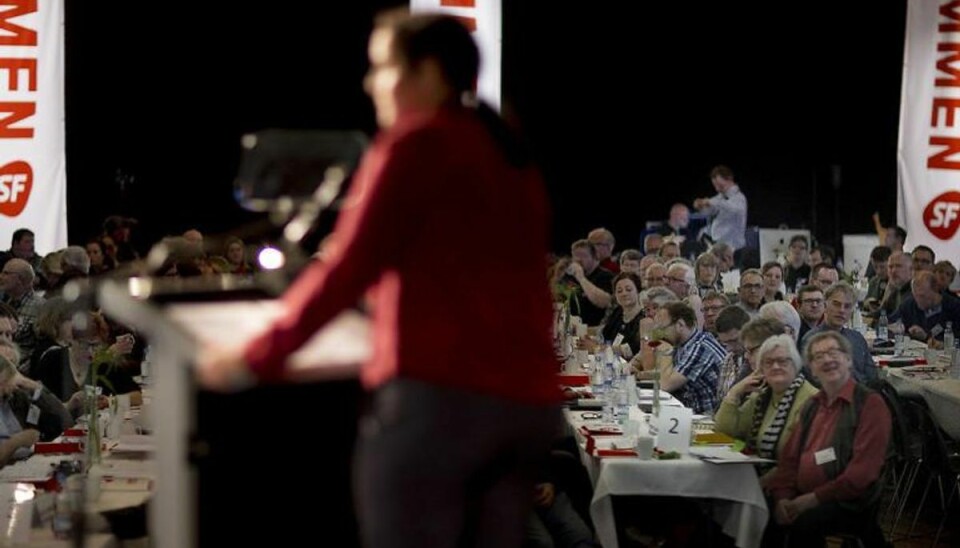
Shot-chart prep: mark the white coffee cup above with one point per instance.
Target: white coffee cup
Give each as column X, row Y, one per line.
column 644, row 446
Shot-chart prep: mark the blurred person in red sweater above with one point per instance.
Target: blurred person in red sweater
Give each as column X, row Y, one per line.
column 447, row 224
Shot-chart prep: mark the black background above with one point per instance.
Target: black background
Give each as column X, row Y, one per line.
column 628, row 107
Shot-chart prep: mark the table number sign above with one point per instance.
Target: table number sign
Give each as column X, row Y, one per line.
column 673, row 429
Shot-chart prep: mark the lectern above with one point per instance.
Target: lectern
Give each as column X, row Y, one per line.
column 232, row 467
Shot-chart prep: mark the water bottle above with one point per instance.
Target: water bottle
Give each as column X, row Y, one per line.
column 63, row 515
column 857, row 321
column 609, row 372
column 954, row 357
column 656, row 397
column 948, row 338
column 145, row 364
column 882, row 326
column 596, row 376
column 621, row 403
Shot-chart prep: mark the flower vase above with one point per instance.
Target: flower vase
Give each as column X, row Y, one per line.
column 92, row 446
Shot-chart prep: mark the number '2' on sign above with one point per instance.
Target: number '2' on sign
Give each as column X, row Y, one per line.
column 673, row 429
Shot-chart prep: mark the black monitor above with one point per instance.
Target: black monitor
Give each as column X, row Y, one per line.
column 291, row 164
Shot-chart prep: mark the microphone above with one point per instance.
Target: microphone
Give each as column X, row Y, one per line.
column 311, row 209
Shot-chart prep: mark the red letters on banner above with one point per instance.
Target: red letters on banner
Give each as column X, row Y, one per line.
column 944, row 147
column 469, row 22
column 17, row 74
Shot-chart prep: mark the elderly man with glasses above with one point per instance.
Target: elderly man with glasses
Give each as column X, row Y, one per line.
column 604, row 242
column 828, row 479
column 16, row 285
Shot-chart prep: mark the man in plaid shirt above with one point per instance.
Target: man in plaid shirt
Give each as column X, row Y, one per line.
column 696, row 358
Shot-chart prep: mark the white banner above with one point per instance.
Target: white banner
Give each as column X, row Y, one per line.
column 485, row 19
column 928, row 194
column 33, row 189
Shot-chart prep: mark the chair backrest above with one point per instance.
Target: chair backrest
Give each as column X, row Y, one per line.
column 907, row 440
column 940, row 451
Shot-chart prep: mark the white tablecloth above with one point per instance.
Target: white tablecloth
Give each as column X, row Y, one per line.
column 737, row 502
column 941, row 395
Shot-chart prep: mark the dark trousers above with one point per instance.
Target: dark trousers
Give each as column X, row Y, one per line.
column 442, row 468
column 813, row 526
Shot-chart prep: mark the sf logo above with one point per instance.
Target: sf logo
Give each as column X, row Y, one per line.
column 942, row 215
column 16, row 181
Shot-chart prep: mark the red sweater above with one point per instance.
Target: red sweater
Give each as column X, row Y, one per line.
column 798, row 472
column 450, row 240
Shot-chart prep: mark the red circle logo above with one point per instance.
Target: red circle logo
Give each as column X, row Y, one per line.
column 16, row 181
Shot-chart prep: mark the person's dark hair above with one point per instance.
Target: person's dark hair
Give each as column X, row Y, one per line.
column 770, row 265
column 584, row 243
column 666, row 244
column 627, row 276
column 731, row 317
column 722, row 171
column 827, row 253
column 807, row 289
column 815, row 270
column 630, row 255
column 445, row 39
column 800, row 238
column 714, row 295
column 681, row 311
column 20, row 234
column 760, row 329
column 880, row 253
column 925, row 248
column 901, row 233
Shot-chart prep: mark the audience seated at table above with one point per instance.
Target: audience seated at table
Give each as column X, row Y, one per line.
column 15, row 441
column 840, row 302
column 621, row 326
column 696, row 358
column 65, row 369
column 735, row 367
column 51, row 417
column 776, row 393
column 926, row 313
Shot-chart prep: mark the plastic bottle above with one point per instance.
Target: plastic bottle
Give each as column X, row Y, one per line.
column 610, row 375
column 857, row 320
column 596, row 375
column 948, row 338
column 63, row 515
column 883, row 332
column 145, row 364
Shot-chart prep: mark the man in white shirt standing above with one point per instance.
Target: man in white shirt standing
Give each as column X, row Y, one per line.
column 727, row 210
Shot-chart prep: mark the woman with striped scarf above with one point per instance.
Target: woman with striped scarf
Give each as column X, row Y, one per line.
column 775, row 393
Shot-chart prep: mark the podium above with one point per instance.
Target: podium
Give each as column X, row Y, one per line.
column 230, row 466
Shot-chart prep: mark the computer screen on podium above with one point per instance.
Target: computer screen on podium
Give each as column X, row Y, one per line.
column 775, row 242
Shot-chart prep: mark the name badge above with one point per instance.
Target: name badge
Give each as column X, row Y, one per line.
column 33, row 416
column 824, row 456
